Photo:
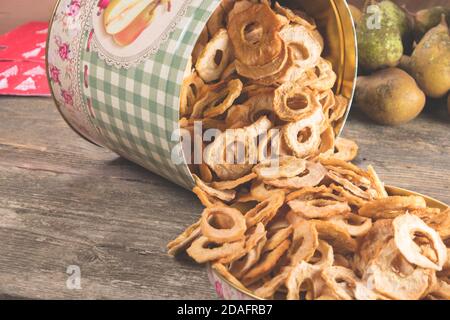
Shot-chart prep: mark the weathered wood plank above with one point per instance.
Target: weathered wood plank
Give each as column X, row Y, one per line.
column 65, row 202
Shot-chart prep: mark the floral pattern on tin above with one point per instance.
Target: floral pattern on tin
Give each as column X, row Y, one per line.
column 64, row 39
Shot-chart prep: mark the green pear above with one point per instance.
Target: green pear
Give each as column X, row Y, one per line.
column 389, row 96
column 430, row 61
column 380, row 35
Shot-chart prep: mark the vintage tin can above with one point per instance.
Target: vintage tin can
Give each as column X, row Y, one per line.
column 126, row 98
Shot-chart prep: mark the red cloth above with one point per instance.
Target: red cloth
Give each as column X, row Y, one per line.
column 22, row 61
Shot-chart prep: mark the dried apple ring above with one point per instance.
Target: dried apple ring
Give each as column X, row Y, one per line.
column 285, row 167
column 346, row 149
column 225, row 195
column 348, row 196
column 241, row 266
column 288, row 72
column 319, row 208
column 327, row 142
column 277, row 238
column 305, row 241
column 338, row 237
column 303, row 136
column 237, row 8
column 190, row 90
column 355, row 225
column 265, row 210
column 305, row 47
column 238, row 116
column 405, row 229
column 200, row 252
column 312, row 176
column 205, row 173
column 233, row 184
column 234, row 233
column 292, row 102
column 207, row 200
column 261, row 105
column 267, row 263
column 269, row 288
column 326, row 77
column 214, row 57
column 259, row 191
column 328, row 101
column 341, row 281
column 339, row 109
column 303, row 273
column 223, row 100
column 229, row 72
column 326, row 255
column 391, row 207
column 347, row 184
column 216, row 153
column 262, row 71
column 253, row 238
column 185, row 239
column 271, row 145
column 309, row 193
column 294, row 17
column 269, row 45
column 384, row 277
column 376, row 182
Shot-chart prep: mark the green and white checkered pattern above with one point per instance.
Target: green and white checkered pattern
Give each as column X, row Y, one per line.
column 137, row 109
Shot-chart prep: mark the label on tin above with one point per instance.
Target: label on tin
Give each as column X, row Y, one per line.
column 125, row 32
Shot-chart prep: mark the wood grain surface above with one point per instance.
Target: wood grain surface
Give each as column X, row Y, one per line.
column 66, row 202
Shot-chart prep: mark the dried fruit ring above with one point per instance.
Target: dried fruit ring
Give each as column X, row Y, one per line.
column 200, row 252
column 406, row 227
column 292, row 102
column 347, row 150
column 341, row 281
column 355, row 225
column 390, row 207
column 305, row 241
column 312, row 176
column 306, row 49
column 325, row 256
column 265, row 210
column 303, row 136
column 214, row 57
column 301, row 274
column 236, row 221
column 270, row 43
column 319, row 208
column 285, row 167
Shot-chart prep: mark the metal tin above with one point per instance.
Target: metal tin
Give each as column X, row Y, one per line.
column 127, row 98
column 226, row 290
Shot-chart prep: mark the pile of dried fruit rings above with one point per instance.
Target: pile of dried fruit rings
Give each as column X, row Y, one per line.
column 315, row 226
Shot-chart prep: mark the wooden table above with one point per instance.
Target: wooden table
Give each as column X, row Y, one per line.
column 66, row 202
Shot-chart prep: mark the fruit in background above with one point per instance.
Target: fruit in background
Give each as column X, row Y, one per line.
column 426, row 19
column 356, row 13
column 430, row 61
column 126, row 19
column 397, row 17
column 400, row 18
column 390, row 96
column 380, row 36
